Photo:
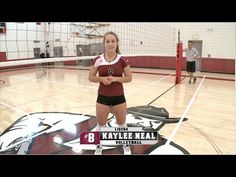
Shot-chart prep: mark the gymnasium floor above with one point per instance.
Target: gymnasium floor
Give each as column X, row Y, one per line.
column 210, row 124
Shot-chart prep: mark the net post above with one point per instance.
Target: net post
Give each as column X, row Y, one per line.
column 179, row 59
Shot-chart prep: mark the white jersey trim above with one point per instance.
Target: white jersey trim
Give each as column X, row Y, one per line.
column 102, row 61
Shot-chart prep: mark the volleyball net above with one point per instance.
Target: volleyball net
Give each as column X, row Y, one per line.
column 145, row 44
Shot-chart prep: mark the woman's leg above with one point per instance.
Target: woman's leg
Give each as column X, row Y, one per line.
column 102, row 112
column 120, row 113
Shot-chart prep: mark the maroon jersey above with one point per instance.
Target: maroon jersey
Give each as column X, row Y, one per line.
column 114, row 68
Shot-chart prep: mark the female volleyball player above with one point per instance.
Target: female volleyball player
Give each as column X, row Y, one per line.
column 113, row 70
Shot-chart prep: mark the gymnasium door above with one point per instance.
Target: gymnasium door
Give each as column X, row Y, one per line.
column 36, row 52
column 58, row 51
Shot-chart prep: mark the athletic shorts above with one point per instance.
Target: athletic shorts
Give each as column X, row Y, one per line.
column 111, row 100
column 191, row 66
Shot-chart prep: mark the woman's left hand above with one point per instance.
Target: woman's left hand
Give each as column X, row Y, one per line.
column 113, row 79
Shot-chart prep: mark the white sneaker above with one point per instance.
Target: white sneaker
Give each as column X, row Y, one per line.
column 127, row 150
column 98, row 150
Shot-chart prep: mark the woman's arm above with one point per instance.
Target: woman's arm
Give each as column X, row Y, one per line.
column 94, row 78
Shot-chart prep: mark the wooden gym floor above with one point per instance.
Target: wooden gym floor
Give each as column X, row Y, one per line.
column 210, row 128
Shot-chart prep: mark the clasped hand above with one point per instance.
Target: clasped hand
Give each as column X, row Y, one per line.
column 109, row 80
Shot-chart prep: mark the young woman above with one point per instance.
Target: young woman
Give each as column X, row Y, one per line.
column 113, row 70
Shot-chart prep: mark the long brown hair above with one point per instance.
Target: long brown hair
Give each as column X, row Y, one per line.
column 117, row 40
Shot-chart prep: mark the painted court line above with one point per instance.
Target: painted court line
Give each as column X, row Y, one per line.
column 148, row 85
column 184, row 114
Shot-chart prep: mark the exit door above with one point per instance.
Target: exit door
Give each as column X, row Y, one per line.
column 36, row 52
column 58, row 51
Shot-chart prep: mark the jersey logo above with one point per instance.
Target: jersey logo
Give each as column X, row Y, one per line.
column 110, row 72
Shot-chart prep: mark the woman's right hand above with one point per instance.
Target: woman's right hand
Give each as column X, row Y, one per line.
column 106, row 80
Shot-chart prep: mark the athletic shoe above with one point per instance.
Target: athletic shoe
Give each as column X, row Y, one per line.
column 127, row 150
column 98, row 150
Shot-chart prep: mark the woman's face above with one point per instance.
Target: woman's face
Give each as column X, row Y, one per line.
column 110, row 43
